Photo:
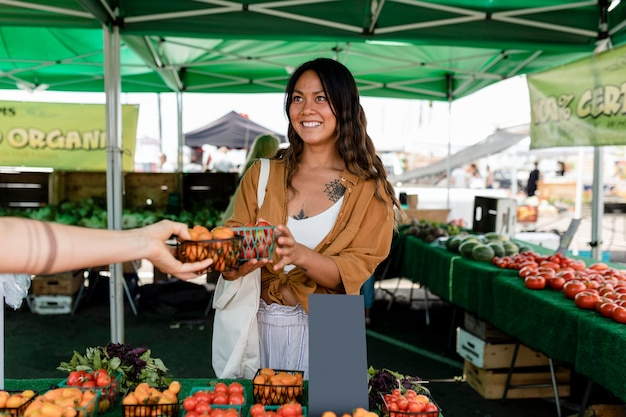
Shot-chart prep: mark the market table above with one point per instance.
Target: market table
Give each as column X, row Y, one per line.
column 544, row 320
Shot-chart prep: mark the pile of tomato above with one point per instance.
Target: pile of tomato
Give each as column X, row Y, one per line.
column 200, row 402
column 596, row 287
column 409, row 404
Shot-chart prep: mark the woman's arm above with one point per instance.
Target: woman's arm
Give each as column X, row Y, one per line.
column 35, row 247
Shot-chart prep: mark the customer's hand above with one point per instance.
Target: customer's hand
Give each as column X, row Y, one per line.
column 161, row 255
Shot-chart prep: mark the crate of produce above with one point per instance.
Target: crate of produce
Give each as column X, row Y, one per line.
column 63, row 283
column 13, row 403
column 109, row 393
column 57, row 399
column 258, row 242
column 277, row 386
column 495, row 354
column 50, row 304
column 230, row 398
column 489, row 383
column 399, row 404
column 292, row 409
column 146, row 401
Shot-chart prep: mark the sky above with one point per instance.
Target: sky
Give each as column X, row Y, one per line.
column 393, row 124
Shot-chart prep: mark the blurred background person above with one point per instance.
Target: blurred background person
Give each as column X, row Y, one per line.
column 166, row 166
column 222, row 161
column 459, row 177
column 264, row 146
column 531, row 186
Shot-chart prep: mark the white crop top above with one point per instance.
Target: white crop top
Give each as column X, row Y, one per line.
column 310, row 231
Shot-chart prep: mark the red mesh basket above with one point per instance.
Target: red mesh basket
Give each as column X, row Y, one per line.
column 258, row 242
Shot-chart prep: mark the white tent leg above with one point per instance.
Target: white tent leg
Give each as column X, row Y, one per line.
column 114, row 171
column 597, row 203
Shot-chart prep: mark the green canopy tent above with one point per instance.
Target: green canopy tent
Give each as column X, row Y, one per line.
column 436, row 50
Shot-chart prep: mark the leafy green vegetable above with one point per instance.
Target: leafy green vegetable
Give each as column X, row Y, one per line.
column 135, row 365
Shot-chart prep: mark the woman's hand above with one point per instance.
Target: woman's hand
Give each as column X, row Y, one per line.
column 245, row 269
column 288, row 250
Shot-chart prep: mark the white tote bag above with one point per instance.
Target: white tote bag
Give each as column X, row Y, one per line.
column 235, row 344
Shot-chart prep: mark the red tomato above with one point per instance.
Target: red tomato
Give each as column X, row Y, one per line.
column 263, row 223
column 202, row 396
column 76, row 378
column 573, row 287
column 606, row 309
column 416, row 407
column 189, row 403
column 535, row 282
column 403, row 404
column 557, row 283
column 103, row 378
column 89, row 384
column 236, row 399
column 235, row 388
column 220, row 387
column 220, row 398
column 431, row 410
column 202, row 408
column 586, row 300
column 619, row 314
column 257, row 410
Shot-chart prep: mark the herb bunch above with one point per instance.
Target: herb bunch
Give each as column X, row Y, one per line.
column 134, row 365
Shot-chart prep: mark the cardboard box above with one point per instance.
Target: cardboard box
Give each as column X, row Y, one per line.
column 494, row 355
column 433, row 215
column 51, row 304
column 64, row 283
column 497, row 215
column 490, row 383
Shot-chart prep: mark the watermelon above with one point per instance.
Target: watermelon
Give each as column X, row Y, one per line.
column 497, row 246
column 467, row 247
column 482, row 252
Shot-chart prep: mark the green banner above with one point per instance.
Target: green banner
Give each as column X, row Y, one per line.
column 580, row 104
column 62, row 136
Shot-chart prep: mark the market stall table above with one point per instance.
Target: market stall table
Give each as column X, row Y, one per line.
column 544, row 320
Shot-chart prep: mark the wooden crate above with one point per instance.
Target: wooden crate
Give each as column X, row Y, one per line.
column 140, row 190
column 490, row 383
column 149, row 189
column 495, row 354
column 64, row 283
column 204, row 189
column 483, row 330
column 24, row 189
column 51, row 304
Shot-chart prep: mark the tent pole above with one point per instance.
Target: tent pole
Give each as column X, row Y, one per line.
column 114, row 171
column 181, row 137
column 449, row 81
column 597, row 203
column 160, row 122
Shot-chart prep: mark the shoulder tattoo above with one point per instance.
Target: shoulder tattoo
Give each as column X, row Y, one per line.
column 334, row 190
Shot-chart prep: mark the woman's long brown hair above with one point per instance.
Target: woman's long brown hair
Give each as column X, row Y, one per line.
column 353, row 143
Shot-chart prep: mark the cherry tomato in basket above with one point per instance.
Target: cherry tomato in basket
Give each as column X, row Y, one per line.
column 102, row 377
column 76, row 378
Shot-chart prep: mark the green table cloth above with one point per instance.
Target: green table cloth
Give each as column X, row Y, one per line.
column 544, row 320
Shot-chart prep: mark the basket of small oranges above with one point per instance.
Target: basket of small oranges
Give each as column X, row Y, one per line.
column 147, row 401
column 277, row 386
column 220, row 244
